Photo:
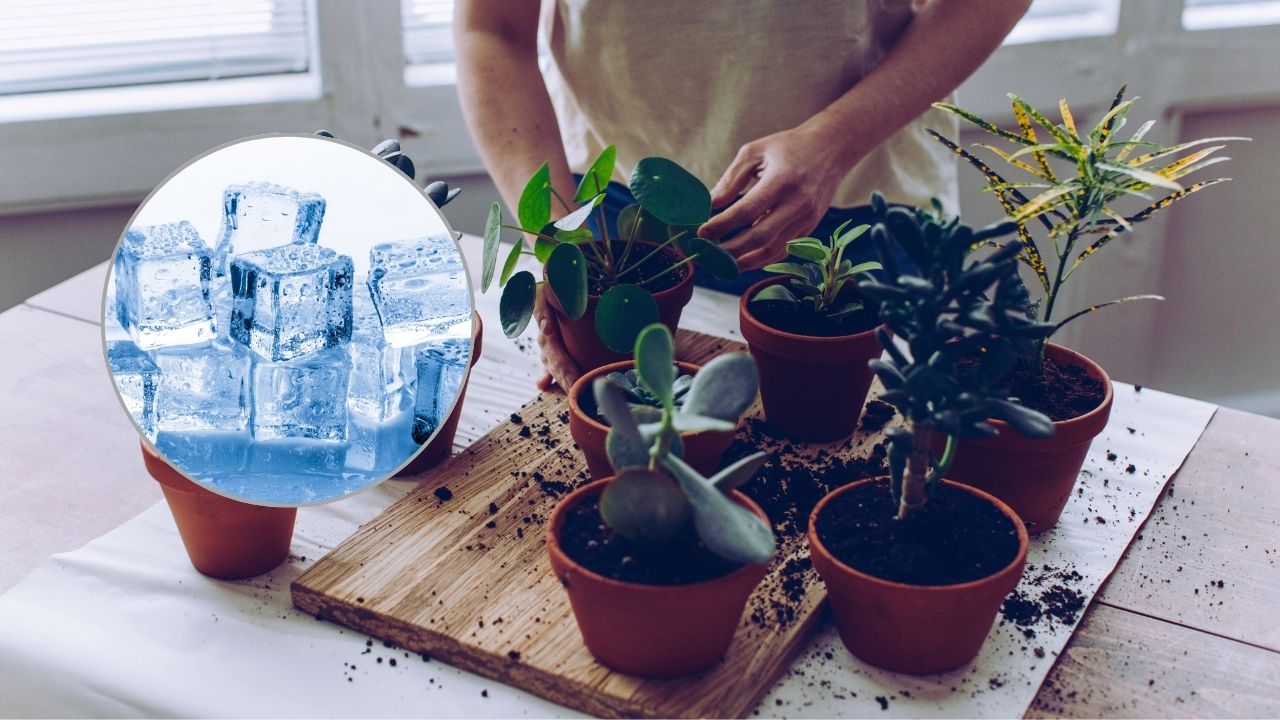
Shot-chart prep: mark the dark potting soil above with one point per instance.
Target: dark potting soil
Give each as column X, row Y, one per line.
column 1062, row 392
column 956, row 537
column 586, row 539
column 876, row 415
column 649, row 268
column 803, row 320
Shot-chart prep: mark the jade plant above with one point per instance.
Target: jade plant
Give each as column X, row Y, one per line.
column 645, row 404
column 1077, row 179
column 819, row 276
column 963, row 326
column 654, row 494
column 670, row 205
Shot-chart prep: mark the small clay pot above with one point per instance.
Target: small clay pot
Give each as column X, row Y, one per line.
column 224, row 538
column 580, row 339
column 1035, row 476
column 917, row 629
column 702, row 450
column 813, row 388
column 440, row 447
column 651, row 630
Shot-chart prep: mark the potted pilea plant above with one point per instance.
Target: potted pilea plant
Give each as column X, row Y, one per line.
column 1077, row 181
column 659, row 560
column 705, row 420
column 916, row 566
column 811, row 338
column 605, row 289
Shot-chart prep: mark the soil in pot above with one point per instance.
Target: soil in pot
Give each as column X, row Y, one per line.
column 1061, row 391
column 957, row 537
column 591, row 543
column 650, row 267
column 805, row 321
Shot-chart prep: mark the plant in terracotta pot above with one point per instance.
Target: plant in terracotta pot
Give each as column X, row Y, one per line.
column 811, row 338
column 1079, row 180
column 916, row 566
column 605, row 289
column 705, row 419
column 659, row 560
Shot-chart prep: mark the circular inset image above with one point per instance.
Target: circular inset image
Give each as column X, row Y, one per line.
column 288, row 320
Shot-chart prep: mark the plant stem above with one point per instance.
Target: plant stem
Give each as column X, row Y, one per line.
column 563, row 204
column 631, row 241
column 917, row 472
column 624, row 271
column 674, row 267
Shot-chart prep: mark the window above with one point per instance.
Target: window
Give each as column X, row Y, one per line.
column 1063, row 19
column 78, row 44
column 428, row 37
column 1214, row 14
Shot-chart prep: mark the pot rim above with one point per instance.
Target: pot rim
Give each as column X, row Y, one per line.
column 583, row 385
column 1019, row 558
column 552, row 537
column 1076, row 423
column 685, row 281
column 744, row 313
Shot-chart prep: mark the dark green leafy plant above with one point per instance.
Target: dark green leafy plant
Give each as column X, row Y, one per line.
column 820, row 276
column 1077, row 178
column 947, row 313
column 655, row 494
column 671, row 204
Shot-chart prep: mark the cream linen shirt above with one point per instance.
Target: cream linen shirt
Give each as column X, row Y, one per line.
column 694, row 80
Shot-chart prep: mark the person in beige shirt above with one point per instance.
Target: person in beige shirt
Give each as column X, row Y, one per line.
column 791, row 111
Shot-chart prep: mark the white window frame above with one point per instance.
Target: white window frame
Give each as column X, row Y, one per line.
column 94, row 153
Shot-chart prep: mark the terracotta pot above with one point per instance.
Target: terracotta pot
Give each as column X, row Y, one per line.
column 579, row 335
column 1035, row 476
column 651, row 630
column 440, row 447
column 918, row 629
column 224, row 538
column 702, row 450
column 813, row 388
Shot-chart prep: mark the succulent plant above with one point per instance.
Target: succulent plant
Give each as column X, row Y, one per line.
column 389, row 150
column 948, row 313
column 654, row 493
column 1077, row 200
column 820, row 277
column 641, row 400
column 671, row 204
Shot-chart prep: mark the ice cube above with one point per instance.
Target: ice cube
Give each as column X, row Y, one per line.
column 111, row 328
column 420, row 290
column 382, row 376
column 203, row 387
column 291, row 301
column 136, row 378
column 304, row 398
column 441, row 368
column 377, row 448
column 162, row 282
column 260, row 215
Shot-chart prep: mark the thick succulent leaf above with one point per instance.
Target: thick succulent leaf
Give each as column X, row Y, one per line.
column 1023, row 419
column 644, row 506
column 626, row 451
column 775, row 293
column 534, row 210
column 655, row 362
column 575, row 219
column 725, row 527
column 739, row 473
column 843, row 241
column 516, row 306
column 714, row 259
column 598, row 175
column 386, row 147
column 806, row 251
column 687, row 422
column 567, row 276
column 669, row 192
column 623, row 311
column 509, row 266
column 612, row 402
column 492, row 236
column 724, row 388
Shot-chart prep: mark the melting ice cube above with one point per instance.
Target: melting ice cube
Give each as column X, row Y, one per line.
column 136, row 378
column 203, row 387
column 420, row 290
column 291, row 301
column 260, row 215
column 441, row 368
column 382, row 376
column 162, row 282
column 304, row 398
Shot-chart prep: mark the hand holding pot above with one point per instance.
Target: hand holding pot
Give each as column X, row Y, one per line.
column 560, row 367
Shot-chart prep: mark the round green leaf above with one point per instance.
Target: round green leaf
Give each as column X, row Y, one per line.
column 597, row 177
column 644, row 506
column 636, row 224
column 670, row 193
column 655, row 361
column 805, row 251
column 567, row 275
column 575, row 219
column 713, row 258
column 623, row 311
column 534, row 209
column 492, row 235
column 516, row 306
column 542, row 248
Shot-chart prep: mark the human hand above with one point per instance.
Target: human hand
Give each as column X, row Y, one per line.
column 560, row 366
column 796, row 173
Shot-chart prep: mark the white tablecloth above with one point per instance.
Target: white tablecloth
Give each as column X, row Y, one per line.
column 124, row 626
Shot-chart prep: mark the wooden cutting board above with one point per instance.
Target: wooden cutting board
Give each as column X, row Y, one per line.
column 458, row 569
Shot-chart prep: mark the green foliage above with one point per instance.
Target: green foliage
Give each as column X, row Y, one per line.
column 1077, row 180
column 947, row 312
column 663, row 223
column 655, row 493
column 818, row 280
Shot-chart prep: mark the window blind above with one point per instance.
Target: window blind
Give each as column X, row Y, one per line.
column 1214, row 14
column 1064, row 19
column 48, row 45
column 428, row 37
